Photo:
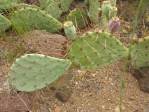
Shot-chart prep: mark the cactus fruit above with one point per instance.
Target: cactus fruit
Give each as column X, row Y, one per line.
column 78, row 17
column 70, row 30
column 94, row 9
column 94, row 50
column 29, row 18
column 139, row 53
column 4, row 23
column 35, row 71
column 114, row 25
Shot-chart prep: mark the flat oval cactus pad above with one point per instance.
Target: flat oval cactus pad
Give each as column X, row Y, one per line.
column 35, row 71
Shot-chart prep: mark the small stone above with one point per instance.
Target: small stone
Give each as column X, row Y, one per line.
column 117, row 109
column 142, row 75
column 63, row 94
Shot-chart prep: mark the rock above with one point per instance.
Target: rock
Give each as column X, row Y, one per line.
column 146, row 108
column 45, row 43
column 142, row 76
column 63, row 94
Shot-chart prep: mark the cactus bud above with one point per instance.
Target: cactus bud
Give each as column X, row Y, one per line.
column 69, row 29
column 114, row 25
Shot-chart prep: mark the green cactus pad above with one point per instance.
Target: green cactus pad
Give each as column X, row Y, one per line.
column 55, row 7
column 7, row 4
column 139, row 53
column 4, row 23
column 35, row 71
column 65, row 4
column 28, row 18
column 94, row 50
column 94, row 6
column 44, row 3
column 78, row 17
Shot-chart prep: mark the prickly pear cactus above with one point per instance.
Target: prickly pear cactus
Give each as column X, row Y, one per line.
column 78, row 17
column 4, row 23
column 70, row 30
column 7, row 4
column 94, row 50
column 65, row 4
column 139, row 53
column 44, row 3
column 108, row 10
column 35, row 71
column 55, row 7
column 29, row 18
column 94, row 9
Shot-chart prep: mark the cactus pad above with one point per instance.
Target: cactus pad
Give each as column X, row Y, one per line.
column 34, row 71
column 65, row 4
column 139, row 53
column 95, row 50
column 55, row 7
column 78, row 17
column 7, row 4
column 28, row 18
column 94, row 6
column 4, row 23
